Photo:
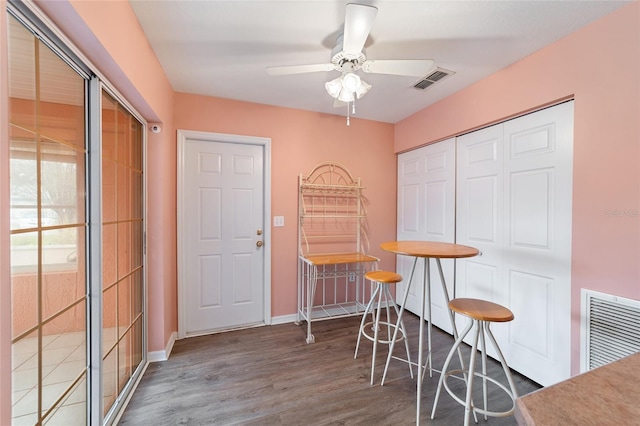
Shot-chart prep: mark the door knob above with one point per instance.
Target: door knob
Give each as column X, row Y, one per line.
column 259, row 243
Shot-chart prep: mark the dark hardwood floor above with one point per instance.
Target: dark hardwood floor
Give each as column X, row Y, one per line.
column 270, row 376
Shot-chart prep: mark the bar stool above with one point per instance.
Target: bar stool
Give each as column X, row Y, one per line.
column 383, row 280
column 482, row 313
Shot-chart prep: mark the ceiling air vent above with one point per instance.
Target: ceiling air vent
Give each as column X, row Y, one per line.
column 434, row 77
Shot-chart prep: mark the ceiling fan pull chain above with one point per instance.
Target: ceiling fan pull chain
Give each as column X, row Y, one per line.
column 348, row 123
column 353, row 107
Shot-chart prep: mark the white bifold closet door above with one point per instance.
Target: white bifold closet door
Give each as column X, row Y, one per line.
column 514, row 189
column 426, row 211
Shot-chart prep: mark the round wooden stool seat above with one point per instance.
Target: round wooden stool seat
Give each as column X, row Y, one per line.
column 386, row 277
column 481, row 310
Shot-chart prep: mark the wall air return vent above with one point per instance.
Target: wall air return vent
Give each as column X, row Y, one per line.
column 610, row 328
column 436, row 76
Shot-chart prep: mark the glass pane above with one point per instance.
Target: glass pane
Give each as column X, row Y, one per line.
column 109, row 254
column 124, row 248
column 65, row 352
column 61, row 249
column 47, row 175
column 109, row 380
column 62, row 189
column 72, row 410
column 63, row 281
column 124, row 193
column 136, row 293
column 125, row 351
column 123, row 135
column 136, row 195
column 22, row 76
column 24, row 282
column 62, row 113
column 25, row 366
column 124, row 305
column 109, row 190
column 109, row 329
column 23, row 179
column 137, row 343
column 109, row 107
column 136, row 237
column 136, row 145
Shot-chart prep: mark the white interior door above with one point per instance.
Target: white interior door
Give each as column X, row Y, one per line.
column 514, row 204
column 223, row 234
column 426, row 211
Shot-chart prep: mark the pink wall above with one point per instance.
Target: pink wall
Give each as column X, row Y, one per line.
column 123, row 54
column 599, row 66
column 299, row 141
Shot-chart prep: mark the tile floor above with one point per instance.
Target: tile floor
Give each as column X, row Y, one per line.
column 63, row 361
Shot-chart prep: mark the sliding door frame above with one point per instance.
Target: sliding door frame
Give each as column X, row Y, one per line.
column 36, row 21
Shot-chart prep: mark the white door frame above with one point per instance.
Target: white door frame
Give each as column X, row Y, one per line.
column 183, row 136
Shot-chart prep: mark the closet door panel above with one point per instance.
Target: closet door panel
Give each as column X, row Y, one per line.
column 410, row 220
column 409, row 195
column 537, row 252
column 530, row 298
column 479, row 213
column 439, row 209
column 431, row 169
column 410, row 208
column 514, row 205
column 531, row 208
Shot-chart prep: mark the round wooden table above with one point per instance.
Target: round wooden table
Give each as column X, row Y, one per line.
column 425, row 250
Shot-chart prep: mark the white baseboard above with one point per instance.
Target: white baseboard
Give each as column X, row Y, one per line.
column 157, row 356
column 284, row 319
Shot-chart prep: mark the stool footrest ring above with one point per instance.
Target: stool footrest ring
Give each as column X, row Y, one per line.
column 474, row 408
column 370, row 324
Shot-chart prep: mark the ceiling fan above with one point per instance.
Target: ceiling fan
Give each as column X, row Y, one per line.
column 348, row 56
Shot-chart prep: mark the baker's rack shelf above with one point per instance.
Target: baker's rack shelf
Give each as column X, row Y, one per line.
column 332, row 244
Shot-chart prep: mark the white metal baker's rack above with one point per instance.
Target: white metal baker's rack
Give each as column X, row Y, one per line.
column 332, row 244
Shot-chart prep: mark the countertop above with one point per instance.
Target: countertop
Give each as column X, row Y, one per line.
column 607, row 395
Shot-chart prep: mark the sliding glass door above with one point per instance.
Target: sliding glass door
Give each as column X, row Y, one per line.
column 48, row 233
column 122, row 248
column 78, row 312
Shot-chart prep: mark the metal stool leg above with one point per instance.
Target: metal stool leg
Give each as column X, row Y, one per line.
column 452, row 352
column 391, row 327
column 505, row 367
column 483, row 345
column 403, row 330
column 401, row 312
column 472, row 366
column 364, row 317
column 376, row 330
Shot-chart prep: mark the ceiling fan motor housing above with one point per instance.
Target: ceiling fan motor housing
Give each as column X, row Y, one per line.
column 339, row 57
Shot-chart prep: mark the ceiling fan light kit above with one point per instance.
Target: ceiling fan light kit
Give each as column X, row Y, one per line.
column 347, row 87
column 348, row 56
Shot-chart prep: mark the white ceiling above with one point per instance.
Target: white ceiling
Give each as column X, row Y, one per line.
column 221, row 48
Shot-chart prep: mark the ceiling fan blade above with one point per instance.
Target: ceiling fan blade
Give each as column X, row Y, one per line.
column 339, row 104
column 411, row 67
column 357, row 24
column 300, row 69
